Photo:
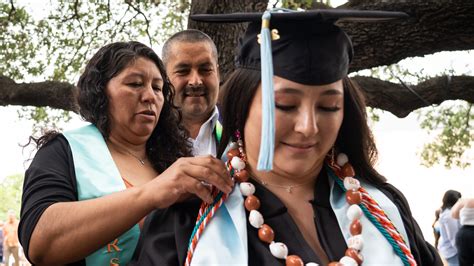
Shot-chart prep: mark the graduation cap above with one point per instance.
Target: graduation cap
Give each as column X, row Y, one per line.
column 302, row 46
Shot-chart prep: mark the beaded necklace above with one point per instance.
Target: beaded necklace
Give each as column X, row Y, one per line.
column 356, row 196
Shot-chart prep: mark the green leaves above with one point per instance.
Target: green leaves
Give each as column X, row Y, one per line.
column 452, row 134
column 44, row 118
column 10, row 195
column 54, row 43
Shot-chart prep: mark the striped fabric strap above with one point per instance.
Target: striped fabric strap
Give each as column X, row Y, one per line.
column 380, row 220
column 206, row 212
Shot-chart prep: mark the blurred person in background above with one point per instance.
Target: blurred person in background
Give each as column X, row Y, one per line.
column 1, row 242
column 449, row 228
column 435, row 227
column 464, row 211
column 11, row 245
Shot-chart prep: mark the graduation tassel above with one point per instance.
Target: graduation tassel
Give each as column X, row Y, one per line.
column 267, row 138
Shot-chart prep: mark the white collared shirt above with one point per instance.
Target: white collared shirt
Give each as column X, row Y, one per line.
column 205, row 142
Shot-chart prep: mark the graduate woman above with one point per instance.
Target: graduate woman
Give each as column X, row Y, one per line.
column 302, row 155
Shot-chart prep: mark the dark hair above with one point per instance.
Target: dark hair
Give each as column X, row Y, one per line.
column 168, row 140
column 190, row 35
column 354, row 138
column 450, row 198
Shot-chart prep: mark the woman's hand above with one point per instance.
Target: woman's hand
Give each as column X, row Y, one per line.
column 187, row 176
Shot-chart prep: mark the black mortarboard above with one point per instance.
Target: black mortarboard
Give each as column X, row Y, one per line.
column 305, row 47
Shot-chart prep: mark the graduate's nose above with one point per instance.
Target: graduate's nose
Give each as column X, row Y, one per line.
column 306, row 123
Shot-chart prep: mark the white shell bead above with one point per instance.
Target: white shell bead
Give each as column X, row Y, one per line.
column 342, row 159
column 279, row 250
column 234, row 145
column 247, row 188
column 237, row 163
column 354, row 212
column 311, row 264
column 256, row 219
column 356, row 242
column 348, row 261
column 351, row 183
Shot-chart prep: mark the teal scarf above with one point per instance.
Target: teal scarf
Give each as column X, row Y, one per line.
column 97, row 176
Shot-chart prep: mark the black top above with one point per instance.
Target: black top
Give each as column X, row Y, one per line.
column 50, row 179
column 166, row 232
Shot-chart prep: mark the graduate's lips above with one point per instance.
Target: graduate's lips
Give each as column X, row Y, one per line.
column 300, row 147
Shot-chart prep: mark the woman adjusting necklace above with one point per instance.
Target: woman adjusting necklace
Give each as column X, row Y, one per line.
column 297, row 144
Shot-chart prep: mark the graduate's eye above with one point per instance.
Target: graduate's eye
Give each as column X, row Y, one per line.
column 285, row 108
column 329, row 109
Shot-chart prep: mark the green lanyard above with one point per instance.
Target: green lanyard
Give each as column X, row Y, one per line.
column 218, row 131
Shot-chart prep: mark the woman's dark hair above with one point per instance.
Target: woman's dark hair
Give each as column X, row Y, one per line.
column 450, row 198
column 168, row 140
column 354, row 138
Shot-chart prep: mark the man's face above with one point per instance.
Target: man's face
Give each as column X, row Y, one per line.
column 194, row 73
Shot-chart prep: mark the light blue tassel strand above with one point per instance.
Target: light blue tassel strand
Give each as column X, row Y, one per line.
column 267, row 139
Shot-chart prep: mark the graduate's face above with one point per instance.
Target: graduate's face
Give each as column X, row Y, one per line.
column 307, row 122
column 135, row 101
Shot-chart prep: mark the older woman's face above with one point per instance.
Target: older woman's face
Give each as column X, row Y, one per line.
column 135, row 101
column 307, row 121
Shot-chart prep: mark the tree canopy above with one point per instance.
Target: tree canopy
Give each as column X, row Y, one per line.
column 43, row 49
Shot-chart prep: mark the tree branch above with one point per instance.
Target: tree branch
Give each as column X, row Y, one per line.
column 384, row 95
column 12, row 10
column 433, row 26
column 400, row 101
column 59, row 95
column 147, row 21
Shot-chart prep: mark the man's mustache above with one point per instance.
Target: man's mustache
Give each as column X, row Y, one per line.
column 194, row 90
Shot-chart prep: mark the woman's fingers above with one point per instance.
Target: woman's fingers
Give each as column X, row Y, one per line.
column 193, row 175
column 216, row 166
column 200, row 190
column 210, row 174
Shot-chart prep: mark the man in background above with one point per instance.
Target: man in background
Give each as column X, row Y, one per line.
column 1, row 242
column 190, row 58
column 11, row 245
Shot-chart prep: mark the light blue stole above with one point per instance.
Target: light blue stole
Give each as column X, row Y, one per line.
column 224, row 240
column 376, row 250
column 97, row 176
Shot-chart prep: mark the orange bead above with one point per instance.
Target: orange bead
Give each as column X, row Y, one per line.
column 252, row 203
column 294, row 260
column 335, row 263
column 353, row 196
column 347, row 170
column 266, row 234
column 232, row 153
column 350, row 252
column 355, row 227
column 241, row 176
